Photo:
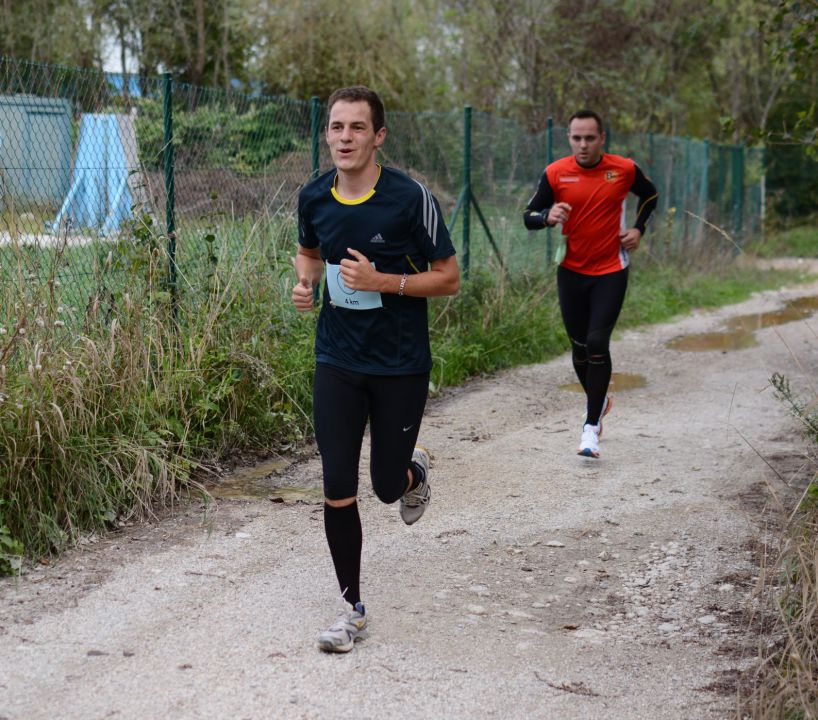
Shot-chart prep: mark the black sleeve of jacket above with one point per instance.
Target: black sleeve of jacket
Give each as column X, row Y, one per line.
column 537, row 209
column 645, row 190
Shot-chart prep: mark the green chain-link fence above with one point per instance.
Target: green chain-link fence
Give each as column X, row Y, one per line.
column 86, row 158
column 710, row 196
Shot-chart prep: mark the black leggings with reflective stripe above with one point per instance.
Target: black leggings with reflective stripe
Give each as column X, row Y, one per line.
column 343, row 402
column 590, row 306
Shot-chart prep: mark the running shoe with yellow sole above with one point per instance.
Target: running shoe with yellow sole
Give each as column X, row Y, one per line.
column 413, row 503
column 350, row 625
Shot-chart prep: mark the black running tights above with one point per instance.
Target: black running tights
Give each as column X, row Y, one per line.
column 343, row 403
column 590, row 306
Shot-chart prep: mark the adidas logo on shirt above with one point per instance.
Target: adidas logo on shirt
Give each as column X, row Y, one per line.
column 377, row 239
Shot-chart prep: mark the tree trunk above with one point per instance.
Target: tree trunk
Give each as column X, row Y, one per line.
column 226, row 45
column 123, row 59
column 199, row 65
column 8, row 20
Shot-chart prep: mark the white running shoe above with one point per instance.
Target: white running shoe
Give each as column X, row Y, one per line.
column 349, row 626
column 589, row 442
column 413, row 503
column 607, row 404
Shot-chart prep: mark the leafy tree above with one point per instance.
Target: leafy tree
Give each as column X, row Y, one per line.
column 203, row 42
column 791, row 135
column 51, row 31
column 796, row 25
column 533, row 60
column 311, row 47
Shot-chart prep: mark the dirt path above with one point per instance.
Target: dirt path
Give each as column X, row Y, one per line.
column 538, row 585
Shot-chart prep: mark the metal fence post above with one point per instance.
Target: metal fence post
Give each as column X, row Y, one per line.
column 549, row 158
column 466, row 188
column 170, row 189
column 704, row 190
column 762, row 217
column 687, row 189
column 737, row 172
column 315, row 113
column 721, row 180
column 607, row 138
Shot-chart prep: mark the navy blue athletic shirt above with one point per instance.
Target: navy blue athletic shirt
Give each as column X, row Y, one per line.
column 398, row 226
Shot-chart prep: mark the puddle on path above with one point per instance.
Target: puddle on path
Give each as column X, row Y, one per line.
column 723, row 341
column 259, row 481
column 739, row 332
column 797, row 309
column 619, row 382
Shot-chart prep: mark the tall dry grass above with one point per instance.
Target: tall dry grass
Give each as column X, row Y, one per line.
column 784, row 683
column 110, row 400
column 107, row 408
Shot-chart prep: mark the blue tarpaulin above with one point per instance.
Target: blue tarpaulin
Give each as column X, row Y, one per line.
column 99, row 197
column 117, row 84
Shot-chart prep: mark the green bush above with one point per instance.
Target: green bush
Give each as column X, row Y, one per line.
column 245, row 141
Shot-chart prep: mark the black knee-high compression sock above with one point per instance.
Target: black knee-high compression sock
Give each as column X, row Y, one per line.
column 579, row 359
column 597, row 380
column 345, row 538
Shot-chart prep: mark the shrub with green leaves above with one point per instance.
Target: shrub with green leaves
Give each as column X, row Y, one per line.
column 243, row 139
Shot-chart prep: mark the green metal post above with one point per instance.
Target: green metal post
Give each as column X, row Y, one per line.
column 687, row 189
column 315, row 117
column 762, row 216
column 704, row 193
column 170, row 189
column 704, row 190
column 549, row 158
column 737, row 171
column 466, row 188
column 608, row 139
column 549, row 142
column 650, row 155
column 315, row 132
column 721, row 180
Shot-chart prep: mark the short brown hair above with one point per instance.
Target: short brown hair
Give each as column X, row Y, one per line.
column 585, row 114
column 359, row 93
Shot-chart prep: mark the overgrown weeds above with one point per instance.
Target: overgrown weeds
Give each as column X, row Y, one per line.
column 785, row 683
column 493, row 323
column 793, row 239
column 106, row 409
column 109, row 402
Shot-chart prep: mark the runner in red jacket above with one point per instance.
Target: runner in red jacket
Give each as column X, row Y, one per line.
column 585, row 194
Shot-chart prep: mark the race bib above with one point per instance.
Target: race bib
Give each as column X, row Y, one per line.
column 342, row 296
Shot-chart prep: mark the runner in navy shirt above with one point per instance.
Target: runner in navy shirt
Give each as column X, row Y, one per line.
column 398, row 228
column 381, row 238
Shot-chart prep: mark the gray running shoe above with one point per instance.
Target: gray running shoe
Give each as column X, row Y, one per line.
column 413, row 503
column 349, row 626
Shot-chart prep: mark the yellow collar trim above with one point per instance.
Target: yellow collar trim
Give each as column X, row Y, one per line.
column 356, row 201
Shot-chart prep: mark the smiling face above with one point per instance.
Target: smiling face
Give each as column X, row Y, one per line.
column 352, row 138
column 587, row 141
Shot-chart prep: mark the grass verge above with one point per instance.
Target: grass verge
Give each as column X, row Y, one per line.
column 784, row 684
column 108, row 404
column 799, row 240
